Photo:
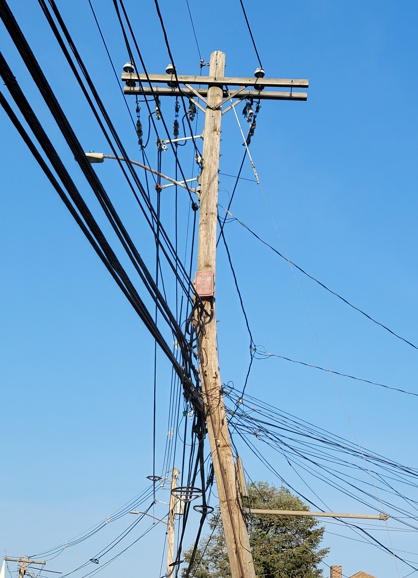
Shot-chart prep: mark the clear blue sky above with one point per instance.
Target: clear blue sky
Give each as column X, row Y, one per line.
column 337, row 194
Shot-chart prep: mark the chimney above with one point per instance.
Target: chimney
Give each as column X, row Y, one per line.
column 335, row 572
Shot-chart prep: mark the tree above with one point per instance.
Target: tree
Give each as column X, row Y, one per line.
column 283, row 546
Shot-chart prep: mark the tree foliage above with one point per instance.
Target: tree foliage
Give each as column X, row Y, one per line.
column 283, row 546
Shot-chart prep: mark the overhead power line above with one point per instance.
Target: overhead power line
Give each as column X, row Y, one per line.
column 194, row 34
column 106, row 254
column 333, row 460
column 94, row 182
column 251, row 33
column 260, row 354
column 343, row 299
column 131, row 56
column 110, row 59
column 169, row 251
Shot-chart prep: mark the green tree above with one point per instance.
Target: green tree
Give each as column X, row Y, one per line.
column 283, row 546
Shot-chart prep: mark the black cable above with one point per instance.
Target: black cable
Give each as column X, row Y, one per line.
column 122, row 512
column 103, row 566
column 191, row 481
column 9, row 111
column 258, row 354
column 250, row 31
column 96, row 239
column 110, row 60
column 286, row 420
column 237, row 178
column 369, row 317
column 154, row 407
column 73, row 143
column 147, row 75
column 252, row 346
column 187, row 288
column 195, row 548
column 194, row 32
column 50, row 146
column 160, row 16
column 108, row 121
column 374, row 541
column 205, row 487
column 143, row 64
column 265, row 431
column 110, row 260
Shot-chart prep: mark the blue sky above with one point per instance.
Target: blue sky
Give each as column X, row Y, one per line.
column 337, row 195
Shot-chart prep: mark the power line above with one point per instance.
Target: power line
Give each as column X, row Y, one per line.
column 265, row 422
column 268, row 463
column 194, row 33
column 369, row 317
column 186, row 283
column 160, row 16
column 250, row 31
column 252, row 347
column 158, row 226
column 107, row 254
column 110, row 59
column 173, row 148
column 259, row 354
column 82, row 537
column 97, row 187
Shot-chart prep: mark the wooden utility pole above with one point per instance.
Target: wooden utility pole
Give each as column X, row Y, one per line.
column 24, row 563
column 219, row 91
column 236, row 534
column 170, row 523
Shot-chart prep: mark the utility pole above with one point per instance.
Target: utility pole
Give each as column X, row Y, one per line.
column 219, row 91
column 24, row 563
column 235, row 530
column 170, row 523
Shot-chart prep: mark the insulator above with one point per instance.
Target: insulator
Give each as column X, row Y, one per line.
column 176, row 128
column 177, row 107
column 248, row 110
column 250, row 133
column 192, row 110
column 139, row 131
column 128, row 67
column 157, row 109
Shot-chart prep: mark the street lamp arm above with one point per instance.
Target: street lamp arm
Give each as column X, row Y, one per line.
column 99, row 158
column 150, row 516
